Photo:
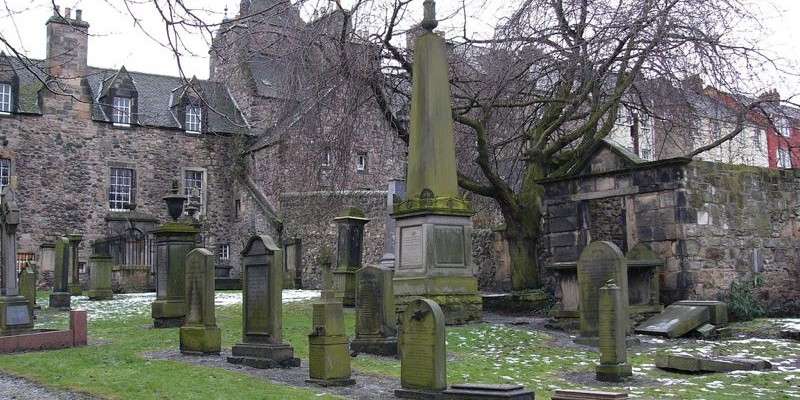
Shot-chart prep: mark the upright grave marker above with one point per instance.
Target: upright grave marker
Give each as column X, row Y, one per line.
column 397, row 188
column 174, row 241
column 262, row 322
column 599, row 262
column 100, row 277
column 15, row 316
column 27, row 284
column 422, row 351
column 74, row 288
column 348, row 254
column 433, row 228
column 328, row 357
column 613, row 318
column 376, row 320
column 60, row 298
column 200, row 333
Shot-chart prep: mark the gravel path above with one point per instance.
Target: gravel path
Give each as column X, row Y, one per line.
column 14, row 388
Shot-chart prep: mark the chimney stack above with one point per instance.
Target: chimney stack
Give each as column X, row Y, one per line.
column 67, row 47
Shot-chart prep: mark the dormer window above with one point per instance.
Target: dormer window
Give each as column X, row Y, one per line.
column 194, row 118
column 121, row 114
column 5, row 98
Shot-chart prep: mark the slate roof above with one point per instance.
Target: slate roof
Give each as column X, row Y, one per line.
column 155, row 93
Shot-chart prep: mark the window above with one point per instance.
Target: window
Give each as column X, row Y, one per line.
column 193, row 187
column 120, row 192
column 757, row 138
column 326, row 158
column 5, row 172
column 224, row 252
column 782, row 125
column 237, row 208
column 23, row 258
column 784, row 158
column 194, row 118
column 361, row 161
column 5, row 97
column 121, row 114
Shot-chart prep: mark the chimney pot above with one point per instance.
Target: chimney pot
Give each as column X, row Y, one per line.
column 78, row 15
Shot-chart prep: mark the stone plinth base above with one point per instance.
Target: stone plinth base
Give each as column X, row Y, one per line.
column 60, row 300
column 328, row 360
column 377, row 346
column 15, row 315
column 613, row 373
column 100, row 294
column 418, row 394
column 332, row 382
column 595, row 341
column 168, row 313
column 75, row 290
column 469, row 391
column 263, row 356
column 458, row 308
column 345, row 284
column 587, row 395
column 200, row 340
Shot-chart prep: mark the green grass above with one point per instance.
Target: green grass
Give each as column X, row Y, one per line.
column 116, row 367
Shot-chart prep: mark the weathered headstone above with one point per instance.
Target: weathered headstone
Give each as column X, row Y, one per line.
column 423, row 371
column 74, row 287
column 293, row 263
column 433, row 228
column 348, row 254
column 100, row 277
column 328, row 357
column 200, row 333
column 27, row 284
column 694, row 364
column 676, row 320
column 262, row 322
column 397, row 188
column 15, row 316
column 613, row 317
column 60, row 297
column 376, row 319
column 599, row 262
column 174, row 241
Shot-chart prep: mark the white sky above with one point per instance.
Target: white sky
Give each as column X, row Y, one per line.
column 116, row 40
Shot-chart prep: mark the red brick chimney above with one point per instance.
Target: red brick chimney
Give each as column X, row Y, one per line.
column 67, row 46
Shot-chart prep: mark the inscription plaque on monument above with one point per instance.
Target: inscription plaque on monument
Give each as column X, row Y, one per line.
column 411, row 247
column 17, row 315
column 257, row 298
column 161, row 274
column 449, row 246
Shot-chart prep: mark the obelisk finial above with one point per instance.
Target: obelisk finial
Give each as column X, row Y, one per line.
column 429, row 21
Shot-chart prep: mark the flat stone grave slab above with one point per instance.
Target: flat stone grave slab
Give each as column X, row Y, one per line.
column 587, row 395
column 675, row 321
column 479, row 391
column 688, row 363
column 717, row 310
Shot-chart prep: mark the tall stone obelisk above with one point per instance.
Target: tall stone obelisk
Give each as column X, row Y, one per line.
column 433, row 229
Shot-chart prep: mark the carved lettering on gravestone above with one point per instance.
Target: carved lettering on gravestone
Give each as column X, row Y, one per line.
column 422, row 347
column 450, row 245
column 411, row 247
column 195, row 272
column 257, row 298
column 17, row 315
column 369, row 305
column 161, row 274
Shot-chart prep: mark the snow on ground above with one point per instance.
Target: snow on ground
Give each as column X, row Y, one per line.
column 790, row 324
column 133, row 304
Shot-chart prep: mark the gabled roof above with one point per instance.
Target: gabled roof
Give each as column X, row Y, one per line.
column 31, row 75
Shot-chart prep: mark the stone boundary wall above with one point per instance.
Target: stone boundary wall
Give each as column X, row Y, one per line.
column 747, row 224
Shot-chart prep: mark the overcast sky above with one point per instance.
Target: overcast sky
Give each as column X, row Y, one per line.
column 116, row 40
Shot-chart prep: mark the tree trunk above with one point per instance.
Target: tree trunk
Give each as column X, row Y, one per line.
column 523, row 225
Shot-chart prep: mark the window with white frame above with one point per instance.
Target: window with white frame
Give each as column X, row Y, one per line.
column 361, row 161
column 121, row 114
column 194, row 118
column 757, row 138
column 5, row 97
column 224, row 252
column 194, row 186
column 784, row 158
column 782, row 125
column 120, row 191
column 5, row 172
column 326, row 158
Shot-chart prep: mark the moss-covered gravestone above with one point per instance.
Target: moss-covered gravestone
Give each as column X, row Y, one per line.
column 433, row 228
column 174, row 241
column 423, row 372
column 348, row 254
column 262, row 322
column 376, row 320
column 328, row 356
column 60, row 298
column 74, row 288
column 100, row 277
column 27, row 284
column 599, row 262
column 613, row 319
column 200, row 333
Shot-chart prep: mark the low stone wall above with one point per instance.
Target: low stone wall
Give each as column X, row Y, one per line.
column 131, row 279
